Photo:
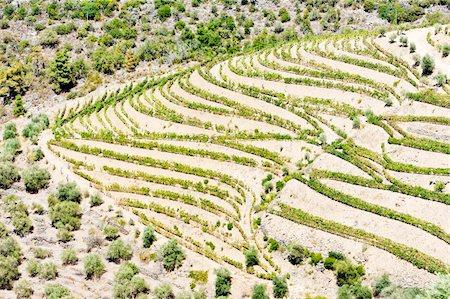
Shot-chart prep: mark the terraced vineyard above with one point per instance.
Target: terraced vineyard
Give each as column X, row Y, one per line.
column 329, row 141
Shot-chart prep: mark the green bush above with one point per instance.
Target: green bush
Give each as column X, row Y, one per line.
column 68, row 192
column 427, row 64
column 251, row 257
column 38, row 154
column 164, row 12
column 163, row 291
column 118, row 250
column 280, row 288
column 148, row 237
column 346, row 273
column 9, row 271
column 329, row 263
column 127, row 284
column 9, row 174
column 93, row 266
column 259, row 291
column 33, row 267
column 9, row 131
column 445, row 50
column 41, row 253
column 35, row 179
column 111, row 232
column 69, row 256
column 23, row 289
column 380, row 284
column 95, row 200
column 355, row 291
column 65, row 215
column 56, row 291
column 296, row 253
column 223, row 282
column 48, row 271
column 172, row 255
column 315, row 258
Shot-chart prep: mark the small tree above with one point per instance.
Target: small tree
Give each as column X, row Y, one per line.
column 172, row 255
column 259, row 292
column 10, row 131
column 35, row 179
column 119, row 250
column 148, row 237
column 93, row 266
column 412, row 47
column 380, row 284
column 280, row 288
column 427, row 64
column 68, row 192
column 251, row 257
column 223, row 282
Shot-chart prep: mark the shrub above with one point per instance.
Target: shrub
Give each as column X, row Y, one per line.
column 41, row 253
column 223, row 282
column 9, row 271
column 439, row 186
column 427, row 64
column 69, row 257
column 65, row 215
column 48, row 38
column 199, row 294
column 148, row 237
column 33, row 267
column 259, row 292
column 440, row 78
column 37, row 208
column 23, row 289
column 355, row 291
column 68, row 192
column 10, row 131
column 336, row 255
column 346, row 273
column 380, row 284
column 172, row 255
column 280, row 288
column 38, row 154
column 35, row 179
column 95, row 200
column 127, row 284
column 251, row 257
column 93, row 266
column 94, row 239
column 404, row 41
column 164, row 291
column 119, row 250
column 111, row 232
column 48, row 271
column 445, row 50
column 296, row 253
column 273, row 245
column 412, row 47
column 329, row 263
column 9, row 174
column 19, row 109
column 56, row 291
column 164, row 12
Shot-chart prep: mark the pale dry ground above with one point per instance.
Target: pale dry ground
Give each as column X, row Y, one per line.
column 423, row 180
column 426, row 130
column 330, row 162
column 417, row 157
column 302, row 197
column 431, row 211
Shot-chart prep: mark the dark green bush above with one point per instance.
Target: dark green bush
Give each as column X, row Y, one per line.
column 280, row 288
column 380, row 284
column 10, row 131
column 223, row 282
column 251, row 257
column 172, row 255
column 296, row 253
column 65, row 215
column 346, row 273
column 148, row 237
column 259, row 291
